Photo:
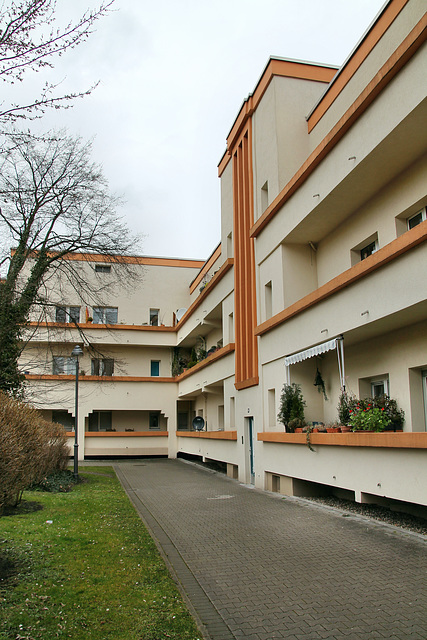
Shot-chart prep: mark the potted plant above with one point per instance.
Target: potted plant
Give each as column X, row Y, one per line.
column 346, row 404
column 292, row 404
column 366, row 417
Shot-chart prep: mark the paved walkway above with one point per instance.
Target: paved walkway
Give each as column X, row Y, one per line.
column 256, row 567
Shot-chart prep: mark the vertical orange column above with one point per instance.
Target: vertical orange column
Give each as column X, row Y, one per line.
column 246, row 353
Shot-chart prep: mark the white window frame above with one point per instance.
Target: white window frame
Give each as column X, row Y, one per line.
column 379, row 381
column 99, row 366
column 369, row 244
column 63, row 365
column 423, row 218
column 154, row 317
column 68, row 312
column 101, row 315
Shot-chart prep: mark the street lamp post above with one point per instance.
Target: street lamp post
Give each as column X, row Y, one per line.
column 76, row 352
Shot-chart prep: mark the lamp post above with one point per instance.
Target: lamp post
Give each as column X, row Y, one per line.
column 76, row 352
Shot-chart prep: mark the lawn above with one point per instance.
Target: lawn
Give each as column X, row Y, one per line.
column 84, row 567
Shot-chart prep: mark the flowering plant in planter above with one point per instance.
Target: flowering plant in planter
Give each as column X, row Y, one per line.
column 366, row 417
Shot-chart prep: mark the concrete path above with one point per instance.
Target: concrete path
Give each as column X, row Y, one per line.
column 254, row 566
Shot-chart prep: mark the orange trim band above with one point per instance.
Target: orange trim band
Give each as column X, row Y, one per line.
column 209, row 435
column 359, row 56
column 385, row 75
column 387, row 439
column 208, row 265
column 91, row 325
column 402, row 244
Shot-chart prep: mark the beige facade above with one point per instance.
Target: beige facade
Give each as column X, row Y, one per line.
column 323, row 236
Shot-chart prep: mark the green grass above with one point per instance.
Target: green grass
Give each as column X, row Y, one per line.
column 92, row 573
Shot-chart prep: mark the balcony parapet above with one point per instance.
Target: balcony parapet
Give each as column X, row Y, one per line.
column 208, row 435
column 225, row 268
column 388, row 439
column 220, row 353
column 123, row 434
column 66, row 378
column 377, row 260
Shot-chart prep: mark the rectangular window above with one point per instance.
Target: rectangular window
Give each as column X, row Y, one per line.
column 102, row 367
column 103, row 268
column 100, row 421
column 154, row 317
column 64, row 365
column 154, row 423
column 415, row 220
column 67, row 314
column 155, row 368
column 379, row 387
column 105, row 315
column 367, row 251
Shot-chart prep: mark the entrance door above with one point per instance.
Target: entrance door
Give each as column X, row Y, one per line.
column 250, row 449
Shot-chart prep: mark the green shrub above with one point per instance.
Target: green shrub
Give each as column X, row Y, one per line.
column 59, row 481
column 30, row 448
column 292, row 405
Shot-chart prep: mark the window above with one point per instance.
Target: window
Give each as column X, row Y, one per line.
column 100, row 421
column 64, row 418
column 368, row 250
column 379, row 387
column 105, row 315
column 64, row 365
column 154, row 317
column 415, row 220
column 103, row 268
column 155, row 368
column 154, row 422
column 102, row 367
column 67, row 314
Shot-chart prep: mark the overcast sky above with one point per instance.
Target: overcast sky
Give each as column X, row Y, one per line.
column 173, row 75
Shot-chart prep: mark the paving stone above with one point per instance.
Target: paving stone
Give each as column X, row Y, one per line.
column 253, row 566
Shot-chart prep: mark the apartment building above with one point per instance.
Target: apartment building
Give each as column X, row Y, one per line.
column 320, row 268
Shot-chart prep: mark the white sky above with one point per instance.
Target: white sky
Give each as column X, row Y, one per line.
column 173, row 77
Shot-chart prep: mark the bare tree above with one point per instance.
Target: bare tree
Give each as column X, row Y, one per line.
column 30, row 40
column 54, row 202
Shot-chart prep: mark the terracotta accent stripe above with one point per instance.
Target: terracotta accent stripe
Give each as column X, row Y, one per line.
column 380, row 258
column 208, row 265
column 66, row 378
column 244, row 269
column 124, row 434
column 364, row 48
column 208, row 435
column 385, row 75
column 275, row 67
column 388, row 439
column 148, row 260
column 224, row 351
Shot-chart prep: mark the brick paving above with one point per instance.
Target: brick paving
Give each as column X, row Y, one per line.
column 254, row 566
